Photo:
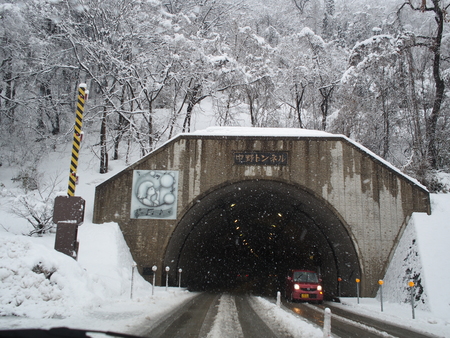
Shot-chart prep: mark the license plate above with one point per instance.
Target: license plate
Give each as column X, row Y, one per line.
column 305, row 295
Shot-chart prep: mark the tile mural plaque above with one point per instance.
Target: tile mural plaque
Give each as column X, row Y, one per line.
column 154, row 194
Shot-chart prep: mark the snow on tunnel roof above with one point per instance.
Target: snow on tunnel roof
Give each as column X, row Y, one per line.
column 255, row 131
column 294, row 132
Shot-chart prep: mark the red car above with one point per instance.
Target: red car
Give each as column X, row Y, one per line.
column 303, row 285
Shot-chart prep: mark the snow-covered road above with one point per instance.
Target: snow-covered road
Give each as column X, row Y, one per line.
column 213, row 315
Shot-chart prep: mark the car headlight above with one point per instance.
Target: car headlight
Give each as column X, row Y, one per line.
column 319, row 288
column 296, row 287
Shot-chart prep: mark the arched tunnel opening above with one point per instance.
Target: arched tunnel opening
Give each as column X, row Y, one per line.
column 244, row 237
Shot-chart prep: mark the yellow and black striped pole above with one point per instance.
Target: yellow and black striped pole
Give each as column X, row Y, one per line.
column 76, row 139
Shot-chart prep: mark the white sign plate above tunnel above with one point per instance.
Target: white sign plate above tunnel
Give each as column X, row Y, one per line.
column 154, row 194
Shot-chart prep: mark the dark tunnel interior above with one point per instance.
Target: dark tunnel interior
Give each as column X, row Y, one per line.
column 245, row 236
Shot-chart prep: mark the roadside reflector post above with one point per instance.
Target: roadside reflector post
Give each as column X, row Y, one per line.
column 412, row 287
column 167, row 277
column 179, row 277
column 357, row 288
column 278, row 298
column 380, row 282
column 154, row 268
column 133, row 266
column 327, row 323
column 339, row 286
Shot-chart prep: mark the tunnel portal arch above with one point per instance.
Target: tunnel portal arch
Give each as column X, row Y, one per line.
column 351, row 204
column 261, row 228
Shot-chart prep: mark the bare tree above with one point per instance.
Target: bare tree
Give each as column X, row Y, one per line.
column 439, row 9
column 36, row 204
column 300, row 5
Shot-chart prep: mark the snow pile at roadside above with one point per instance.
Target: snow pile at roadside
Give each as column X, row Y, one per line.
column 277, row 316
column 433, row 236
column 405, row 266
column 39, row 282
column 36, row 283
column 421, row 257
column 110, row 259
column 399, row 314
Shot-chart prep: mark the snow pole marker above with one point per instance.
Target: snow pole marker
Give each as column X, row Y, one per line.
column 381, row 282
column 77, row 133
column 412, row 285
column 327, row 323
column 180, row 270
column 154, row 268
column 357, row 280
column 167, row 278
column 133, row 267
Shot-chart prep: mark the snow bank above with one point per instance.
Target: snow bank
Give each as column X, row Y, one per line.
column 43, row 288
column 111, row 263
column 277, row 316
column 37, row 282
column 405, row 266
column 433, row 236
column 422, row 256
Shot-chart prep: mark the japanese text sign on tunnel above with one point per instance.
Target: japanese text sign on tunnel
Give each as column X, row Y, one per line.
column 261, row 158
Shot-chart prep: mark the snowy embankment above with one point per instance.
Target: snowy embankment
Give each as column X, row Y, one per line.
column 43, row 288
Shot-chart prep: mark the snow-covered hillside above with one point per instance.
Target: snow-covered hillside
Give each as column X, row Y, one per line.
column 44, row 288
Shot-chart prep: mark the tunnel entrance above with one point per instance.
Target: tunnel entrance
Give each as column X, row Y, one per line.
column 246, row 235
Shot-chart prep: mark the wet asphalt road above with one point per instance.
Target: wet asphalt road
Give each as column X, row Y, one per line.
column 349, row 324
column 193, row 320
column 197, row 317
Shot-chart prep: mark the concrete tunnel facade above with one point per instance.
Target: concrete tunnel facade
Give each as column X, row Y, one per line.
column 222, row 203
